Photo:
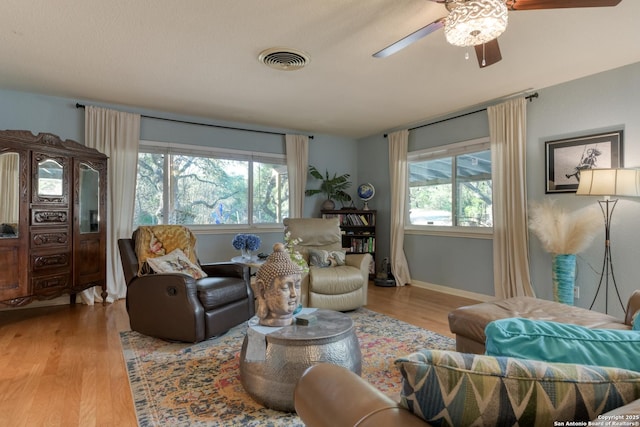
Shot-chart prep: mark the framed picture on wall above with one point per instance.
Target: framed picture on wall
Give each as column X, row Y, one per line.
column 565, row 158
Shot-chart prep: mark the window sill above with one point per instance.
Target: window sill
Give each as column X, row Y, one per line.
column 236, row 228
column 464, row 232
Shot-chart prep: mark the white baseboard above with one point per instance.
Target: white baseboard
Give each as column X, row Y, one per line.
column 452, row 291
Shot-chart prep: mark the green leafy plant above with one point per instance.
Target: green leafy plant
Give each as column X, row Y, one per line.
column 332, row 186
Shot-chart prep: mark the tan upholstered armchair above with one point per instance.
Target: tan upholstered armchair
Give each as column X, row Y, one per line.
column 342, row 287
column 176, row 306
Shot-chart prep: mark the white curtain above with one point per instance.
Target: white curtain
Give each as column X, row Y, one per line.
column 508, row 130
column 9, row 179
column 115, row 134
column 297, row 147
column 398, row 174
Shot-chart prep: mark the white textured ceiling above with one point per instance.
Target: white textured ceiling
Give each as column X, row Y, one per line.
column 199, row 57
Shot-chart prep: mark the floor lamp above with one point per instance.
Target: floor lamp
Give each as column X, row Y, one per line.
column 607, row 183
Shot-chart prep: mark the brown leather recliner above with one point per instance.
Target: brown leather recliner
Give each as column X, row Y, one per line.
column 177, row 307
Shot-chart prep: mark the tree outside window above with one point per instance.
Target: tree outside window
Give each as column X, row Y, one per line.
column 188, row 189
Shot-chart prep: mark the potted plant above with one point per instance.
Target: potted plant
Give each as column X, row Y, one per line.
column 246, row 243
column 332, row 187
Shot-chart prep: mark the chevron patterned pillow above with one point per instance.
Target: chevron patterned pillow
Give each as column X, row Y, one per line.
column 448, row 388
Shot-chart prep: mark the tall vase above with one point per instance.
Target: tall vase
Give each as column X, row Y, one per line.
column 564, row 277
column 246, row 253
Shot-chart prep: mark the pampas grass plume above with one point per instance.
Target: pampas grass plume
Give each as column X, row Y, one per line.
column 562, row 232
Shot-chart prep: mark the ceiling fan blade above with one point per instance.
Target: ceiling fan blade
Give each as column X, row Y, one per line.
column 410, row 39
column 489, row 53
column 558, row 4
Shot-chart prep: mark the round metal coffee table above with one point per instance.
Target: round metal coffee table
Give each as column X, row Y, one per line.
column 273, row 359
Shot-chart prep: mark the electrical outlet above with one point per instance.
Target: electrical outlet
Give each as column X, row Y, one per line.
column 576, row 292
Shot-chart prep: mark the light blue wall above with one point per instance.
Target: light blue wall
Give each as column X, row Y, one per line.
column 373, row 167
column 41, row 113
column 602, row 102
column 594, row 104
column 446, row 261
column 337, row 155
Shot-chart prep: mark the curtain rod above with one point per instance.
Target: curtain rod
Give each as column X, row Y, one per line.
column 78, row 105
column 529, row 97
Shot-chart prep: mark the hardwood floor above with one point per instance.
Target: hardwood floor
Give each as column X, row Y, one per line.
column 63, row 365
column 417, row 306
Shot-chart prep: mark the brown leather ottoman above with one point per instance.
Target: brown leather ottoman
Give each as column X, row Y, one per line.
column 468, row 323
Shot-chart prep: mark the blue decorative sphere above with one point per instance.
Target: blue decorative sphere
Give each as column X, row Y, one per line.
column 366, row 191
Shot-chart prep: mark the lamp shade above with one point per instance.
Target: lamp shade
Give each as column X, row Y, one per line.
column 475, row 22
column 609, row 182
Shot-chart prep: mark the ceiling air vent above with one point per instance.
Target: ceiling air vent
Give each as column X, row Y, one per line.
column 284, row 58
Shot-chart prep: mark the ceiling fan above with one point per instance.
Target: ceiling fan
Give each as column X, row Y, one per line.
column 478, row 23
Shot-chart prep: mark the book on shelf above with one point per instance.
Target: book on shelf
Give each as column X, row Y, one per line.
column 351, row 219
column 363, row 245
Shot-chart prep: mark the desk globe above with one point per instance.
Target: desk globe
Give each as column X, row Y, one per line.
column 366, row 192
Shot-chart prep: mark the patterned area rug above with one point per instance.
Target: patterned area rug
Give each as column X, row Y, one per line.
column 199, row 385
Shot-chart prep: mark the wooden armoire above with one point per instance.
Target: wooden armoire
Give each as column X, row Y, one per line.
column 52, row 217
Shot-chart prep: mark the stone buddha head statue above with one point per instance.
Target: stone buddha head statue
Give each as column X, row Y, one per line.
column 278, row 288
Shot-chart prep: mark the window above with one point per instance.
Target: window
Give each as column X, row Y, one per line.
column 450, row 187
column 179, row 184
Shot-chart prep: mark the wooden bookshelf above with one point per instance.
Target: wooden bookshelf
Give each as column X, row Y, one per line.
column 358, row 231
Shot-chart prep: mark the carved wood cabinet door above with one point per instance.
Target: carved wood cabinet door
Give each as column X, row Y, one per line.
column 14, row 222
column 89, row 223
column 50, row 230
column 52, row 217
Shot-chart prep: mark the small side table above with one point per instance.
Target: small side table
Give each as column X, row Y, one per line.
column 273, row 359
column 253, row 262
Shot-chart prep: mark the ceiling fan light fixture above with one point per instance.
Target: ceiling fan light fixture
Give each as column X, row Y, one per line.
column 475, row 22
